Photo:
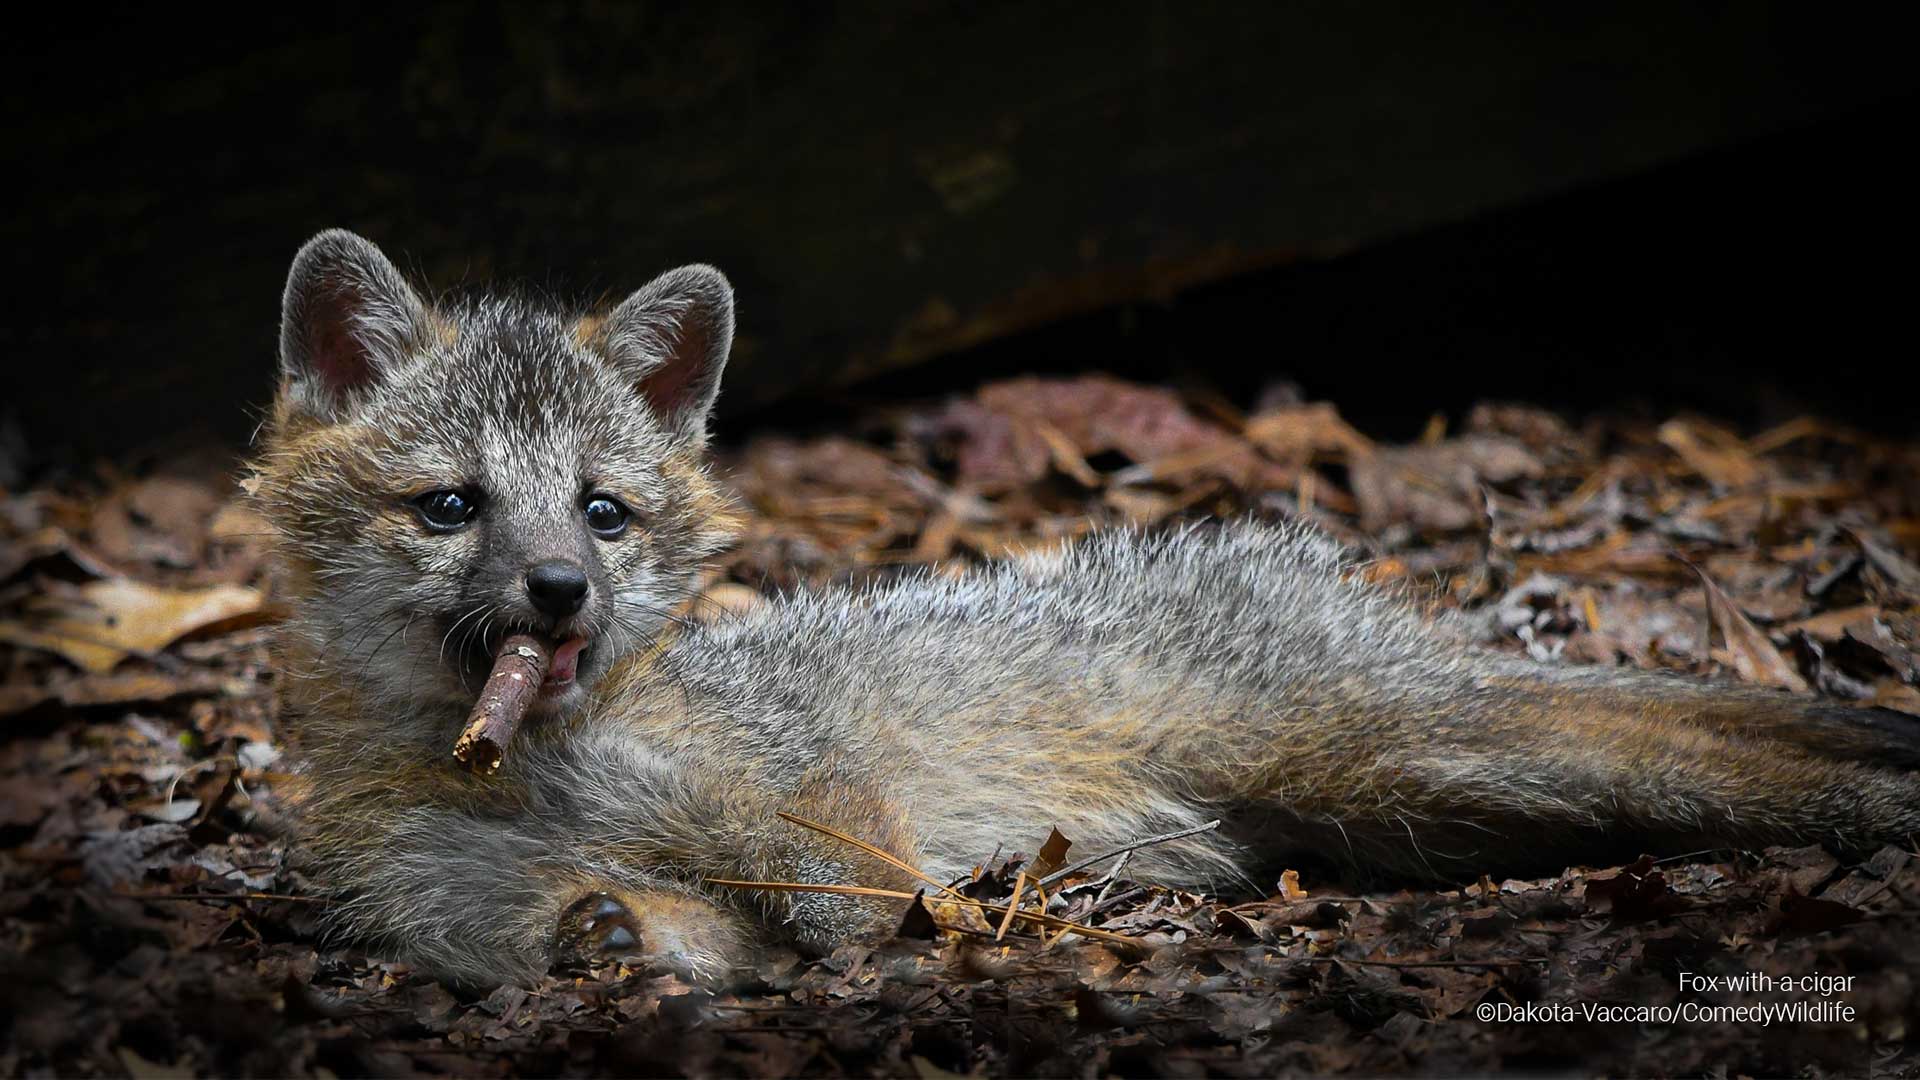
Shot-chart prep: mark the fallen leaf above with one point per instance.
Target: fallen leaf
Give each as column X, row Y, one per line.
column 1012, row 432
column 178, row 810
column 724, row 600
column 1810, row 915
column 1719, row 456
column 140, row 1068
column 119, row 617
column 1633, row 893
column 1436, row 487
column 1290, row 885
column 1298, row 432
column 1052, row 855
column 918, row 923
column 1904, row 575
column 1896, row 695
column 1832, row 625
column 1753, row 656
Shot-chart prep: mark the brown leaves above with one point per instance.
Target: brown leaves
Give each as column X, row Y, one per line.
column 1437, row 487
column 1013, row 432
column 1749, row 651
column 157, row 779
column 1713, row 452
column 101, row 623
column 1633, row 893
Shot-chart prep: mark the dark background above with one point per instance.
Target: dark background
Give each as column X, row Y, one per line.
column 1401, row 207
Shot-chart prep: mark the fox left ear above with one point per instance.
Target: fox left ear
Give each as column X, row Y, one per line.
column 672, row 338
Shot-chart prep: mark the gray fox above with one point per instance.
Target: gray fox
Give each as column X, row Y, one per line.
column 441, row 474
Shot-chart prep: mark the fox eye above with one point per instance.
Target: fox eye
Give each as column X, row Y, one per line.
column 606, row 516
column 446, row 511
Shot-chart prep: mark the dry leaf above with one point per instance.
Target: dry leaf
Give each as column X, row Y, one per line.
column 1436, row 487
column 1904, row 575
column 118, row 618
column 1753, row 656
column 1290, row 885
column 1832, row 625
column 724, row 600
column 1052, row 856
column 1714, row 454
column 1297, row 432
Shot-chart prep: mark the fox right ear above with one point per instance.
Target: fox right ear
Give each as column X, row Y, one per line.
column 347, row 320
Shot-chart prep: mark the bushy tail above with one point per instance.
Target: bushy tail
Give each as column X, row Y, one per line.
column 1551, row 767
column 1825, row 729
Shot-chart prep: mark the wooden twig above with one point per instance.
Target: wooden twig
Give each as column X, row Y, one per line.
column 1115, row 901
column 884, row 856
column 963, row 901
column 1013, row 904
column 1427, row 963
column 1136, row 845
column 1113, row 875
column 513, row 682
column 801, row 886
column 227, row 897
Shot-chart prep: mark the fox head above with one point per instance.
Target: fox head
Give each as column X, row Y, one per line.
column 439, row 475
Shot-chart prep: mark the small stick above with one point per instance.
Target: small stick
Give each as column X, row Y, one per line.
column 799, row 886
column 894, row 894
column 519, row 667
column 1075, row 868
column 1116, row 900
column 1113, row 875
column 883, row 855
column 1427, row 963
column 1013, row 904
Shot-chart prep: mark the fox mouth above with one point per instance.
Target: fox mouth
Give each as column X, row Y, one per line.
column 568, row 655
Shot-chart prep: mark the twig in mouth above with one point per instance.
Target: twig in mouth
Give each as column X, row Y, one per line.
column 513, row 682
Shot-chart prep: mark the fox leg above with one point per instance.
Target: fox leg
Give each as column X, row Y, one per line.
column 485, row 900
column 696, row 821
column 660, row 930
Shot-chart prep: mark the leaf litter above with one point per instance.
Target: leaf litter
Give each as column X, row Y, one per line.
column 157, row 921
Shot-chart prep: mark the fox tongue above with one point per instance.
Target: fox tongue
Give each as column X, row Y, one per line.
column 566, row 661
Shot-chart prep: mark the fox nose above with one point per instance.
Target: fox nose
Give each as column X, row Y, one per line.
column 557, row 587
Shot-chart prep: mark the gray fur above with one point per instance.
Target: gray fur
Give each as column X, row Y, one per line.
column 947, row 696
column 1129, row 685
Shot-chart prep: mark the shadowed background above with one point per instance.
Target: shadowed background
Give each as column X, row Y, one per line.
column 1400, row 207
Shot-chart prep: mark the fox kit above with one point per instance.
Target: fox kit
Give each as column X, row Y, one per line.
column 442, row 474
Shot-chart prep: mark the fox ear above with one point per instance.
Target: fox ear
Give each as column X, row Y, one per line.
column 347, row 320
column 672, row 338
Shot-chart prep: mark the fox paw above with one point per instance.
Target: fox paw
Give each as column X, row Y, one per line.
column 595, row 929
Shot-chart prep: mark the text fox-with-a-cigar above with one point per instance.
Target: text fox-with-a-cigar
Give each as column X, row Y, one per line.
column 442, row 475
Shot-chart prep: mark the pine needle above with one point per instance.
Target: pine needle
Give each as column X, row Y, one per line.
column 801, row 886
column 1064, row 926
column 884, row 856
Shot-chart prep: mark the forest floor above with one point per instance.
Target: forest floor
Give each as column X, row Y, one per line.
column 156, row 921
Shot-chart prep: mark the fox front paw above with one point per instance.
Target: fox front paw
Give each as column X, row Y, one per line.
column 658, row 932
column 596, row 929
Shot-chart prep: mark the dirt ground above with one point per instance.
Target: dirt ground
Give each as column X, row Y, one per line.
column 156, row 920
